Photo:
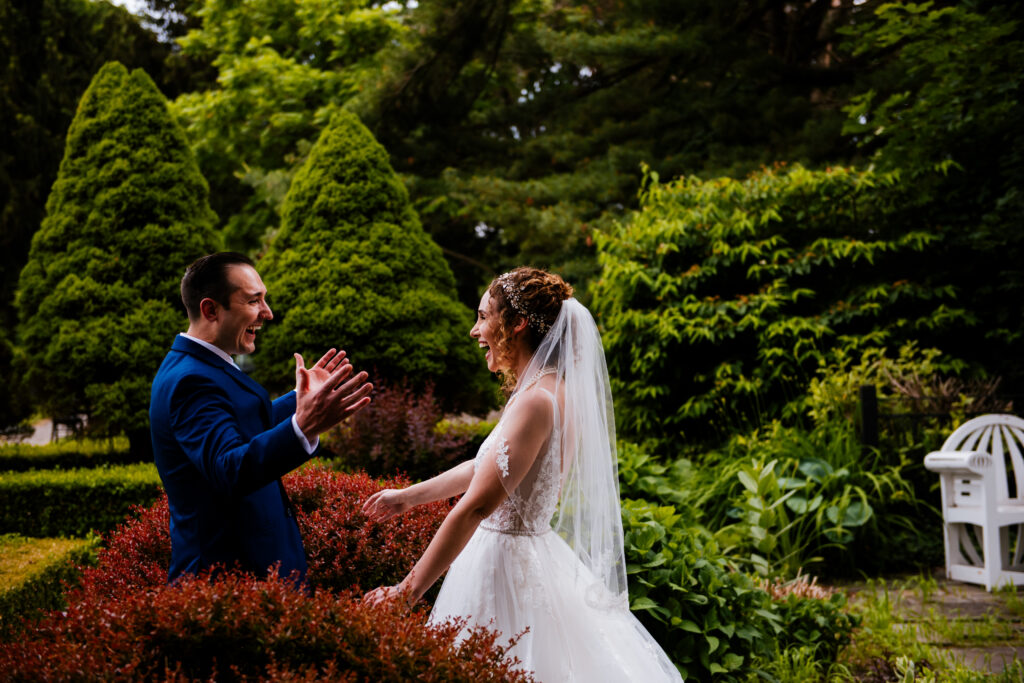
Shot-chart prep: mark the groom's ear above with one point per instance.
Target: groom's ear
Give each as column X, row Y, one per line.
column 209, row 309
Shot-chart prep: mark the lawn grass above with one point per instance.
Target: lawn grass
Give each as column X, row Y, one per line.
column 34, row 573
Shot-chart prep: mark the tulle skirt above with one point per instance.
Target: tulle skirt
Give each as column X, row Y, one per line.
column 516, row 584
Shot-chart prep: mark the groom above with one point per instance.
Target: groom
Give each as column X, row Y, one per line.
column 220, row 444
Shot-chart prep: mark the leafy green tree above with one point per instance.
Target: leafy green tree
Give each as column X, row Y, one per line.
column 522, row 125
column 518, row 125
column 98, row 299
column 720, row 299
column 353, row 268
column 283, row 66
column 49, row 51
column 946, row 112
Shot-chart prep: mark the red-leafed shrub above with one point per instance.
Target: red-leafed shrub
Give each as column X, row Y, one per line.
column 399, row 431
column 345, row 549
column 237, row 627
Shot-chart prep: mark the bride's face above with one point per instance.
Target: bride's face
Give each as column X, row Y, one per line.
column 486, row 331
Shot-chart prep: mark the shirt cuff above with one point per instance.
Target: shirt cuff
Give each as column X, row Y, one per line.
column 310, row 447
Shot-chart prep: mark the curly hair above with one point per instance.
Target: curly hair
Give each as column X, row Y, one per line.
column 539, row 299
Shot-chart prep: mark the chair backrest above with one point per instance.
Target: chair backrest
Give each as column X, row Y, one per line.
column 1002, row 436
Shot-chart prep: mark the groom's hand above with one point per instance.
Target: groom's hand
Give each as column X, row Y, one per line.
column 319, row 373
column 327, row 393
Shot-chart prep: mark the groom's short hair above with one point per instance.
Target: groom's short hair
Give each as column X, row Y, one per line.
column 207, row 278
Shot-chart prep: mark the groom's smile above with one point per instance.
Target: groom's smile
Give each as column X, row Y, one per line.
column 238, row 324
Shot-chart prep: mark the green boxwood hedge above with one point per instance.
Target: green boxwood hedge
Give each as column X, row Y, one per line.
column 73, row 502
column 66, row 454
column 33, row 573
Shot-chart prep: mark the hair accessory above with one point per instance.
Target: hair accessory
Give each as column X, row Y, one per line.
column 512, row 293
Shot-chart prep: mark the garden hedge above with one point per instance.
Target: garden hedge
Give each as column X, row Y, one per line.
column 237, row 627
column 66, row 454
column 74, row 502
column 34, row 573
column 345, row 549
column 123, row 622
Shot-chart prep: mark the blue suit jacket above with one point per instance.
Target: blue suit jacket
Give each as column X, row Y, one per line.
column 221, row 447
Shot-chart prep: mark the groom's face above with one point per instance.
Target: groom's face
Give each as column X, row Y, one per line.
column 237, row 325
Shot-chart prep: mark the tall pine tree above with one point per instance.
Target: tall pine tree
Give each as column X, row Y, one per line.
column 352, row 266
column 98, row 300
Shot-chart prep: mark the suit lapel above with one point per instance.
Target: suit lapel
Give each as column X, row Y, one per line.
column 205, row 355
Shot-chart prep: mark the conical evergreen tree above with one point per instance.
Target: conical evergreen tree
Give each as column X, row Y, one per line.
column 353, row 267
column 98, row 300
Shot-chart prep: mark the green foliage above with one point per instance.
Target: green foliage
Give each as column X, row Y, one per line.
column 643, row 476
column 65, row 454
column 809, row 500
column 519, row 126
column 283, row 67
column 711, row 620
column 353, row 268
column 956, row 74
column 36, row 572
column 97, row 299
column 49, row 51
column 823, row 625
column 944, row 109
column 524, row 123
column 720, row 298
column 13, row 407
column 74, row 502
column 784, row 515
column 833, row 393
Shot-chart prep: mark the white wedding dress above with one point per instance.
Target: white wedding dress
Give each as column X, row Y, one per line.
column 518, row 576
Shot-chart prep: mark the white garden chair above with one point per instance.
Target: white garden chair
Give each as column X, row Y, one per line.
column 981, row 504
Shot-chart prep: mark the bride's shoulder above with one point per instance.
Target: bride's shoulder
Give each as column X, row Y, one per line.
column 534, row 404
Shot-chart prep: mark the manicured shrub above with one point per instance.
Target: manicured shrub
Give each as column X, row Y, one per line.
column 712, row 621
column 98, row 300
column 237, row 627
column 344, row 549
column 34, row 575
column 353, row 268
column 133, row 557
column 401, row 431
column 73, row 502
column 66, row 454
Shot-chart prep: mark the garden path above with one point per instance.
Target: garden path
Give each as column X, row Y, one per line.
column 982, row 630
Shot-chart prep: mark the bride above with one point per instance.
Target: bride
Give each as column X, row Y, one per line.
column 535, row 546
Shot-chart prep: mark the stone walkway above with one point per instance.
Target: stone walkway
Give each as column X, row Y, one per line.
column 991, row 625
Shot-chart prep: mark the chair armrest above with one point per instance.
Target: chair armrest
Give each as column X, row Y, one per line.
column 958, row 461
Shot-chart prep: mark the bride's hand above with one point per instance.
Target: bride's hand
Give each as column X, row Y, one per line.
column 385, row 594
column 386, row 504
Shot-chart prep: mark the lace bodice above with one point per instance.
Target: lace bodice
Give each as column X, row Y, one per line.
column 531, row 505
